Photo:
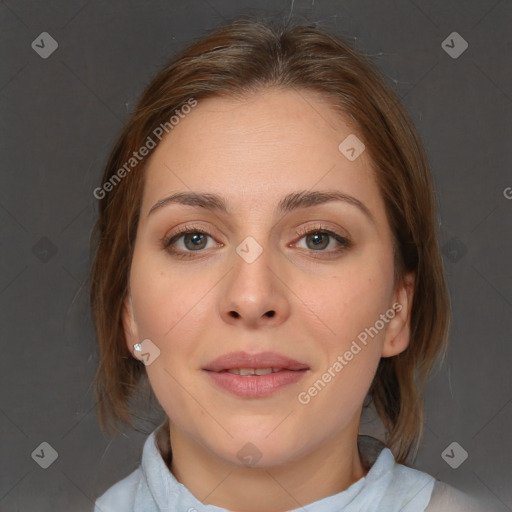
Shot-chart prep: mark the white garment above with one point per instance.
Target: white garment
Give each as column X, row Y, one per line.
column 387, row 487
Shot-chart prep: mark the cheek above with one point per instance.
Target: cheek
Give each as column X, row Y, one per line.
column 167, row 307
column 351, row 304
column 170, row 309
column 353, row 299
column 165, row 301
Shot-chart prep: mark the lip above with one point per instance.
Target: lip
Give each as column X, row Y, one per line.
column 235, row 360
column 255, row 386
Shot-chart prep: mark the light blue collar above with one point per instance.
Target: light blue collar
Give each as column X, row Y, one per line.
column 387, row 487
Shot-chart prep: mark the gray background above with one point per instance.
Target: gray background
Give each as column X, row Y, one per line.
column 60, row 117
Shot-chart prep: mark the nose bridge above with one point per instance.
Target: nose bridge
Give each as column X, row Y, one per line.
column 252, row 290
column 252, row 261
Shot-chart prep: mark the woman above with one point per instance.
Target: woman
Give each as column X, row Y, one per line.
column 267, row 260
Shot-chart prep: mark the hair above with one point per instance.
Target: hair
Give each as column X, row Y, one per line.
column 246, row 57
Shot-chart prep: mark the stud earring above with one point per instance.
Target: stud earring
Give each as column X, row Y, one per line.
column 137, row 347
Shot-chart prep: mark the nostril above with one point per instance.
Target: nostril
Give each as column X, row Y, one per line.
column 270, row 313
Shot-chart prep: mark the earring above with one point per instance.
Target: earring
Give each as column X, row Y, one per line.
column 137, row 347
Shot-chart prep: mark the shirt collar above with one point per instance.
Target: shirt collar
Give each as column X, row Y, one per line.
column 385, row 482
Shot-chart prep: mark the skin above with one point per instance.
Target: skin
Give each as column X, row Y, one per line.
column 254, row 152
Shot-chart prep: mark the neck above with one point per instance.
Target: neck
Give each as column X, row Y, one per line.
column 327, row 470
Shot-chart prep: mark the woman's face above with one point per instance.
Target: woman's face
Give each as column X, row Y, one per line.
column 257, row 288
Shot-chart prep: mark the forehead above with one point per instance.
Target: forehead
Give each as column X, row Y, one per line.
column 255, row 151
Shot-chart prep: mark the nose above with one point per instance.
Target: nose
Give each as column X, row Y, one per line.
column 254, row 292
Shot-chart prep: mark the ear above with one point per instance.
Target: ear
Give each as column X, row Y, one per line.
column 131, row 331
column 398, row 331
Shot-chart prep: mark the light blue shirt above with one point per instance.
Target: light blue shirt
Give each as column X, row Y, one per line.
column 387, row 487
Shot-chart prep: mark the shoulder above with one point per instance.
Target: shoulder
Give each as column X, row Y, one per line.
column 120, row 497
column 124, row 495
column 410, row 489
column 446, row 498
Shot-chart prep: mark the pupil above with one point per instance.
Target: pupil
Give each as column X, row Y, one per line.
column 317, row 239
column 196, row 239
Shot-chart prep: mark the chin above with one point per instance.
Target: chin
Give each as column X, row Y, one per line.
column 261, row 447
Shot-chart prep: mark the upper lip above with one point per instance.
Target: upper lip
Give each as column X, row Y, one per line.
column 234, row 360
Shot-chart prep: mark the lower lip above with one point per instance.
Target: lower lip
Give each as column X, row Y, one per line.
column 256, row 386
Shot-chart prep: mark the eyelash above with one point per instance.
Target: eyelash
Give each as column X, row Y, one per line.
column 167, row 242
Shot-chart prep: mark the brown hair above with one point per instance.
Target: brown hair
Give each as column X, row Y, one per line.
column 242, row 58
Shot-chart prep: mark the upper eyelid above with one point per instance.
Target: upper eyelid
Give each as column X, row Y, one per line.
column 304, row 229
column 318, row 227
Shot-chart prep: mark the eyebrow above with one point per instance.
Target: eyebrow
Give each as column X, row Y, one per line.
column 291, row 202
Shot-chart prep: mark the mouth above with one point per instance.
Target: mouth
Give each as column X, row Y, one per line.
column 252, row 371
column 255, row 375
column 250, row 364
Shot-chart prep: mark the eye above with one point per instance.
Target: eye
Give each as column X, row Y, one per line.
column 194, row 240
column 319, row 237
